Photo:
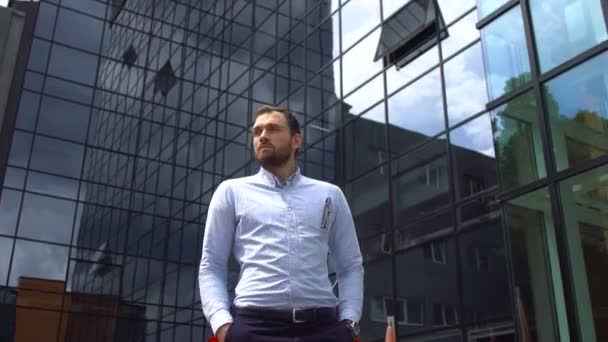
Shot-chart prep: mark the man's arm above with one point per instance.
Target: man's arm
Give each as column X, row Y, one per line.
column 344, row 247
column 217, row 246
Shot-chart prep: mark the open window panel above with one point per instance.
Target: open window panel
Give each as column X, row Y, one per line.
column 410, row 32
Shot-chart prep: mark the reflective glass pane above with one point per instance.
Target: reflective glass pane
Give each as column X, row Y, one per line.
column 358, row 64
column 505, row 53
column 397, row 78
column 474, row 157
column 28, row 110
column 369, row 204
column 518, row 142
column 14, row 177
column 10, row 202
column 39, row 55
column 579, row 24
column 451, row 10
column 416, row 113
column 38, row 260
column 460, row 34
column 45, row 22
column 378, row 291
column 358, row 18
column 63, row 119
column 539, row 297
column 77, row 30
column 485, row 7
column 465, row 85
column 45, row 218
column 420, row 182
column 52, row 185
column 364, row 144
column 20, row 149
column 73, row 65
column 427, row 287
column 584, row 199
column 6, row 249
column 483, row 257
column 577, row 102
column 57, row 156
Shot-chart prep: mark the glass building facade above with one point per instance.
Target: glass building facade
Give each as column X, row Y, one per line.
column 470, row 139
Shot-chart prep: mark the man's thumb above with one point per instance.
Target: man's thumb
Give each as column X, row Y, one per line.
column 390, row 330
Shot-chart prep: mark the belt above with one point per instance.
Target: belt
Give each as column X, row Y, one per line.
column 293, row 315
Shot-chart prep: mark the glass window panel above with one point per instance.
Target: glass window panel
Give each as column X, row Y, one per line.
column 28, row 110
column 487, row 295
column 45, row 218
column 474, row 157
column 420, row 182
column 46, row 20
column 358, row 64
column 430, row 279
column 33, row 81
column 20, row 149
column 14, row 177
column 38, row 260
column 580, row 24
column 68, row 90
column 10, row 202
column 584, row 202
column 63, row 119
column 57, row 156
column 88, row 6
column 416, row 231
column 78, row 30
column 485, row 7
column 6, row 249
column 39, row 55
column 52, row 185
column 364, row 97
column 378, row 287
column 460, row 34
column 505, row 53
column 358, row 18
column 517, row 142
column 73, row 65
column 451, row 10
column 416, row 113
column 396, row 78
column 537, row 289
column 364, row 144
column 369, row 204
column 577, row 102
column 465, row 85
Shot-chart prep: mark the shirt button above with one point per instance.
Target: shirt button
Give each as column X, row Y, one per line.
column 289, row 209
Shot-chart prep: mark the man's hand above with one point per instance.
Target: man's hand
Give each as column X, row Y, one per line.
column 222, row 331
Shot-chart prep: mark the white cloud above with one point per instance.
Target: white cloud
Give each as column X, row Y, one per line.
column 4, row 3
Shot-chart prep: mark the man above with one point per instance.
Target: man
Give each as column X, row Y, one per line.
column 280, row 227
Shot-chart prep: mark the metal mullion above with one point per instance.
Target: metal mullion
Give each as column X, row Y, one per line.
column 545, row 130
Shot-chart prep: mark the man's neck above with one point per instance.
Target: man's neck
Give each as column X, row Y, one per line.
column 283, row 172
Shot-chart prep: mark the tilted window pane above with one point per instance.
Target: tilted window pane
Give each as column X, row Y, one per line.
column 505, row 54
column 537, row 286
column 579, row 24
column 584, row 201
column 517, row 142
column 577, row 103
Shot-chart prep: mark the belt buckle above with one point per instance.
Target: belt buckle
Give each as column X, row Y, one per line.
column 294, row 317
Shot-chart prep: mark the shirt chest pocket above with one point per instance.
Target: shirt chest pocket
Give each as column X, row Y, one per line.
column 317, row 220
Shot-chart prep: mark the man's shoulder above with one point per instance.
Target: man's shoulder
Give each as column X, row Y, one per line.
column 321, row 184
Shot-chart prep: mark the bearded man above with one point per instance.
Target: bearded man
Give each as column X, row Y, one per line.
column 280, row 227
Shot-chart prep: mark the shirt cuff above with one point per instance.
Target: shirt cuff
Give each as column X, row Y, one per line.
column 349, row 314
column 218, row 319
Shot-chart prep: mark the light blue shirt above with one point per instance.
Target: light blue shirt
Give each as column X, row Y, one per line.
column 281, row 234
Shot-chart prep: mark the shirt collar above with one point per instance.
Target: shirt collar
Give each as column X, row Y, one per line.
column 269, row 179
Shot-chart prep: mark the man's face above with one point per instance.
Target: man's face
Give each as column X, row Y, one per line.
column 272, row 141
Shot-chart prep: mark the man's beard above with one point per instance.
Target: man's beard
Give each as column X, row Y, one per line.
column 278, row 157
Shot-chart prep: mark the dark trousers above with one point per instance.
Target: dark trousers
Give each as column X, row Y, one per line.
column 253, row 329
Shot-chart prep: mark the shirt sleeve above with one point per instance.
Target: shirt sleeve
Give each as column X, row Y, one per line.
column 344, row 248
column 217, row 246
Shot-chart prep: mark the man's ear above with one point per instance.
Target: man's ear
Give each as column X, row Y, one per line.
column 297, row 140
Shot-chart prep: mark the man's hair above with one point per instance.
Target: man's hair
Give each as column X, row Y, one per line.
column 292, row 121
